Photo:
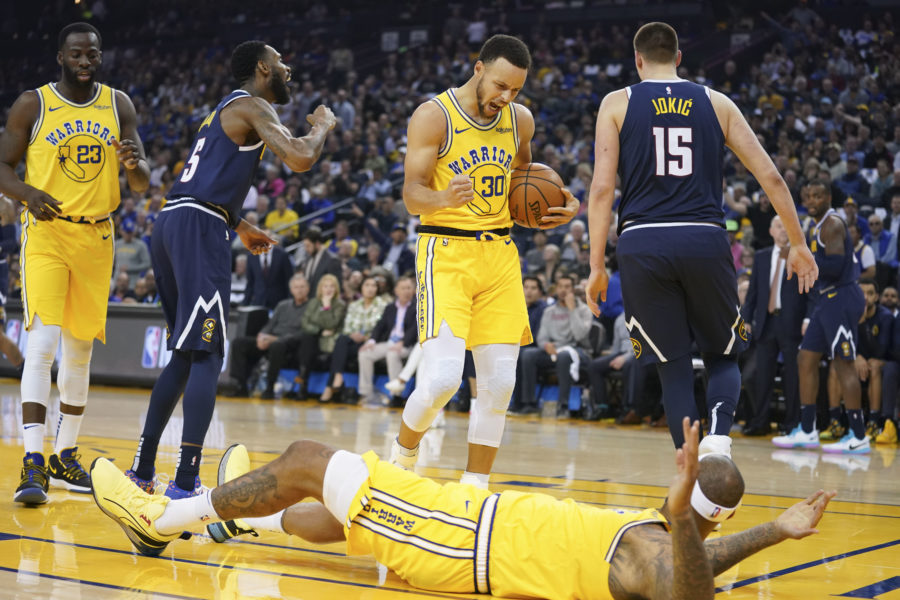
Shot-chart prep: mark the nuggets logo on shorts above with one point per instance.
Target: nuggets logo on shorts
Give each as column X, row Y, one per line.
column 875, row 330
column 742, row 331
column 209, row 327
column 636, row 348
column 845, row 348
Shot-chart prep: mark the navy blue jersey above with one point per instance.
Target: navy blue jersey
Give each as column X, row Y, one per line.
column 671, row 149
column 219, row 171
column 849, row 272
column 875, row 334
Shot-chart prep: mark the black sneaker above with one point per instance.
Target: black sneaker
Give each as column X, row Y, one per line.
column 225, row 530
column 33, row 487
column 66, row 472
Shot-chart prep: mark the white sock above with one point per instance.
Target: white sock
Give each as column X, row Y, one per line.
column 33, row 433
column 187, row 514
column 479, row 480
column 67, row 432
column 269, row 523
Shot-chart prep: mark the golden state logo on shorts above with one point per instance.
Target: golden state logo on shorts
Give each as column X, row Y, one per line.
column 636, row 348
column 209, row 326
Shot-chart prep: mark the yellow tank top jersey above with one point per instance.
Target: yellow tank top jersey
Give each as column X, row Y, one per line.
column 549, row 548
column 70, row 154
column 485, row 153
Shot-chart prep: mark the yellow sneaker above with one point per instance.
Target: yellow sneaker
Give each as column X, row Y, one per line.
column 132, row 509
column 888, row 435
column 235, row 462
column 872, row 431
column 834, row 431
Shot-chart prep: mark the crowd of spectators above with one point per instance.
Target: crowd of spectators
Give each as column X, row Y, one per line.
column 822, row 94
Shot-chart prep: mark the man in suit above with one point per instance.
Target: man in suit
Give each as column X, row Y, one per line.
column 775, row 317
column 392, row 339
column 268, row 275
column 319, row 260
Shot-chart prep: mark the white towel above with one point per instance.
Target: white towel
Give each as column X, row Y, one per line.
column 576, row 360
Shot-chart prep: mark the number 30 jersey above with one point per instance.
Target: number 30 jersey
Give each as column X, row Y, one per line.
column 484, row 153
column 70, row 154
column 671, row 149
column 218, row 171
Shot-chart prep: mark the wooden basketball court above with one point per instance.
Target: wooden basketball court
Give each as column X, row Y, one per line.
column 68, row 549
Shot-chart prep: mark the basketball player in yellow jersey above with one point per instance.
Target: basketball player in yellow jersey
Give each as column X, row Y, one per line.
column 461, row 148
column 74, row 134
column 461, row 539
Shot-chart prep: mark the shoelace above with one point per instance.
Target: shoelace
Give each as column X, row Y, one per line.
column 34, row 474
column 74, row 470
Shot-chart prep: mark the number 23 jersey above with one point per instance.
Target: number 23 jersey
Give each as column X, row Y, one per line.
column 483, row 152
column 70, row 154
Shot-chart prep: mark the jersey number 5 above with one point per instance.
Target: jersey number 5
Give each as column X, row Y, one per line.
column 682, row 163
column 190, row 167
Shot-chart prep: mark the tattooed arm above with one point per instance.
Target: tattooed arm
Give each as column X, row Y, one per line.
column 244, row 116
column 796, row 522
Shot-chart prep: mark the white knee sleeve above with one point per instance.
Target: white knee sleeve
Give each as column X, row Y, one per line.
column 440, row 373
column 74, row 370
column 495, row 374
column 40, row 351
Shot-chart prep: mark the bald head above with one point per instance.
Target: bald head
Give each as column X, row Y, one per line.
column 720, row 480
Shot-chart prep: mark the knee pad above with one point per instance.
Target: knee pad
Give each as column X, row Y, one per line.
column 74, row 370
column 486, row 423
column 440, row 381
column 496, row 387
column 40, row 351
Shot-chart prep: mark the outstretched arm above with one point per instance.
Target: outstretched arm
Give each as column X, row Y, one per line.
column 796, row 522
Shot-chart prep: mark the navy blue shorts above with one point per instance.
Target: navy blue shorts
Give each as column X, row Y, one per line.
column 834, row 321
column 191, row 255
column 680, row 288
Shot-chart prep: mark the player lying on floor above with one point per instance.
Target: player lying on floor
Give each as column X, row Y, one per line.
column 462, row 539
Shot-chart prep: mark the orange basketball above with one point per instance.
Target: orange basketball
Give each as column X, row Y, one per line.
column 533, row 189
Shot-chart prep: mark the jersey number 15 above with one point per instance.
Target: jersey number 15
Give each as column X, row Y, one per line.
column 673, row 156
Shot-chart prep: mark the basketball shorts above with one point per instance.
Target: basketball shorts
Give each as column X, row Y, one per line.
column 473, row 285
column 191, row 254
column 66, row 272
column 425, row 532
column 834, row 321
column 679, row 287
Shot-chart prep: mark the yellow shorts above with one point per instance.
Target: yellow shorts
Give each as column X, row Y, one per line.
column 473, row 285
column 66, row 271
column 423, row 531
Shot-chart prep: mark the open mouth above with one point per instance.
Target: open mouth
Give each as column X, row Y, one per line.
column 494, row 107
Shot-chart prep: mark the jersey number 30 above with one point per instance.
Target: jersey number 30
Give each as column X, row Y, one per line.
column 190, row 167
column 673, row 156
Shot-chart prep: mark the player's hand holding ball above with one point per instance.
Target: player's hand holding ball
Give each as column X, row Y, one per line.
column 322, row 116
column 460, row 191
column 538, row 198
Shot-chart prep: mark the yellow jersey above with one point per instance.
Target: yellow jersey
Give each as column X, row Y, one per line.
column 485, row 153
column 70, row 154
column 542, row 547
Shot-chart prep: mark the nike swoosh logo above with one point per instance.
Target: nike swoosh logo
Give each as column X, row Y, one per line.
column 30, row 426
column 852, row 447
column 106, row 237
column 832, row 295
column 54, row 108
column 461, row 130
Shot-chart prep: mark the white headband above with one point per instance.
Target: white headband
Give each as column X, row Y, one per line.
column 708, row 509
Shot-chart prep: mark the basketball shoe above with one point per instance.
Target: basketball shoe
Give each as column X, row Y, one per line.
column 849, row 444
column 872, row 431
column 715, row 444
column 888, row 434
column 797, row 438
column 176, row 493
column 147, row 485
column 404, row 458
column 834, row 431
column 34, row 483
column 65, row 471
column 132, row 509
column 235, row 462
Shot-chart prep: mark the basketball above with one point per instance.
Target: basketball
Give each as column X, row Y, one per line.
column 534, row 188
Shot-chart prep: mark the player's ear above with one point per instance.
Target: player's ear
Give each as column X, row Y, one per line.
column 678, row 58
column 59, row 58
column 263, row 67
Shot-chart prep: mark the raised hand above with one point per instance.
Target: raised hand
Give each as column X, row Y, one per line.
column 679, row 500
column 322, row 116
column 800, row 520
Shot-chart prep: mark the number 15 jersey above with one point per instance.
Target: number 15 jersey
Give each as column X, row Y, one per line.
column 484, row 153
column 671, row 149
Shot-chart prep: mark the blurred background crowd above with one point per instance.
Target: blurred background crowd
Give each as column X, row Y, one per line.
column 819, row 82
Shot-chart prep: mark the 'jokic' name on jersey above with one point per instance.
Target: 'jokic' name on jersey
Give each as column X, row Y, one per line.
column 495, row 155
column 670, row 105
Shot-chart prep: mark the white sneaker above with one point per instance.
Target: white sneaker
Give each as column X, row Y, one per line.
column 849, row 444
column 849, row 462
column 395, row 386
column 797, row 438
column 797, row 461
column 402, row 460
column 715, row 444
